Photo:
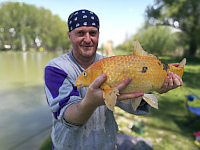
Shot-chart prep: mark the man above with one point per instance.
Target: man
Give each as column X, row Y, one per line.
column 81, row 119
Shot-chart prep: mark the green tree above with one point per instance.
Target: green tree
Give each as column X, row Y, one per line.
column 182, row 14
column 156, row 40
column 126, row 47
column 26, row 26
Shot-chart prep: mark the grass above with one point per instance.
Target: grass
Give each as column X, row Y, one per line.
column 47, row 144
column 168, row 128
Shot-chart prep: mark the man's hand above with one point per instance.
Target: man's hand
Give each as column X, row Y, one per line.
column 172, row 81
column 94, row 95
column 121, row 86
column 78, row 113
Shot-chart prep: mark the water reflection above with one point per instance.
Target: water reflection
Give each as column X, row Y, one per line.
column 22, row 69
column 23, row 108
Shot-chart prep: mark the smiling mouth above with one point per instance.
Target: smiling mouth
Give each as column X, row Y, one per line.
column 87, row 45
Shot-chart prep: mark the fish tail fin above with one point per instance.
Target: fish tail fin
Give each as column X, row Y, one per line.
column 110, row 97
column 151, row 99
column 180, row 69
column 182, row 63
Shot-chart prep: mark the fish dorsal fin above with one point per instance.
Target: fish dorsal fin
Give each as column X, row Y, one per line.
column 138, row 50
column 182, row 63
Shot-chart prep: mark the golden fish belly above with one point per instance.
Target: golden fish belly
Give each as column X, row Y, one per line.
column 147, row 73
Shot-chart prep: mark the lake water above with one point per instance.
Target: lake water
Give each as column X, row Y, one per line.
column 25, row 116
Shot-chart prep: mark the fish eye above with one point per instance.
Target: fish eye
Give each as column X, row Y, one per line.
column 84, row 74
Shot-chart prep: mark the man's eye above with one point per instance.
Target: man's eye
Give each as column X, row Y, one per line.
column 80, row 33
column 93, row 33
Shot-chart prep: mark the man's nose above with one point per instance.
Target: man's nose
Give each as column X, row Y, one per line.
column 87, row 38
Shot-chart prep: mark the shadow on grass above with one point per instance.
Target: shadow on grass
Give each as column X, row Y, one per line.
column 191, row 79
column 173, row 117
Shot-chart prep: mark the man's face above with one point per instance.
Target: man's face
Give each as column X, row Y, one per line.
column 84, row 41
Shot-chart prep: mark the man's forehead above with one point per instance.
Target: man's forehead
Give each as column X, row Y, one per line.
column 86, row 28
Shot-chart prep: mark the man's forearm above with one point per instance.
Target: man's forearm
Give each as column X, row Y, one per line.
column 78, row 113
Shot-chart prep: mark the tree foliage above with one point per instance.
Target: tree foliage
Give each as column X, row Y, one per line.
column 182, row 14
column 155, row 40
column 25, row 26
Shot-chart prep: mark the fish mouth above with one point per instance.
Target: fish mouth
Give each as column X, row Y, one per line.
column 78, row 84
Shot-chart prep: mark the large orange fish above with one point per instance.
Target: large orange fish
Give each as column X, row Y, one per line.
column 146, row 70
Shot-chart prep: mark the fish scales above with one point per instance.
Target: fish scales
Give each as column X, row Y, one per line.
column 146, row 70
column 147, row 75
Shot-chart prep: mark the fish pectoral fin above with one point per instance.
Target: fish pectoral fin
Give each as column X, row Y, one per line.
column 125, row 101
column 110, row 97
column 151, row 99
column 136, row 102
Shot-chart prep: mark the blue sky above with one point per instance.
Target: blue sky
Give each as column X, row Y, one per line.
column 119, row 19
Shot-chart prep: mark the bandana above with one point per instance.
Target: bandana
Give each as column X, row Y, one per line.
column 82, row 18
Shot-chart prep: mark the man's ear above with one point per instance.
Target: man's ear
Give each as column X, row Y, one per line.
column 69, row 35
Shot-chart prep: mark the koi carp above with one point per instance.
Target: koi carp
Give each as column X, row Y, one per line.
column 146, row 70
